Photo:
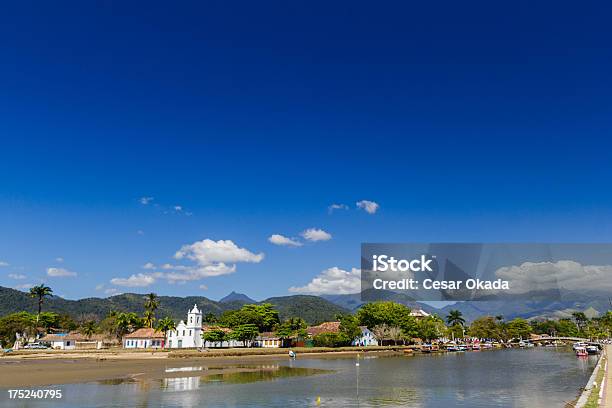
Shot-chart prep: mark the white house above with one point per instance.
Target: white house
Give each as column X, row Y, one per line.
column 366, row 338
column 419, row 313
column 60, row 341
column 144, row 338
column 187, row 335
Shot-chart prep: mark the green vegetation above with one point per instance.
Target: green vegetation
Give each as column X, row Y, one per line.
column 312, row 309
column 40, row 292
column 390, row 322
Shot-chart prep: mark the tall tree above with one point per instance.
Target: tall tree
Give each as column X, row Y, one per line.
column 455, row 317
column 89, row 328
column 148, row 318
column 41, row 292
column 165, row 325
column 151, row 304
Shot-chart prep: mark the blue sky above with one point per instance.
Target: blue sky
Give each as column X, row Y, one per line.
column 462, row 122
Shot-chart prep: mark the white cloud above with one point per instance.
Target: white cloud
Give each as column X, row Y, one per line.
column 332, row 281
column 315, row 234
column 138, row 280
column 59, row 259
column 333, row 207
column 208, row 252
column 24, row 286
column 369, row 206
column 3, row 264
column 112, row 291
column 565, row 274
column 211, row 258
column 100, row 287
column 146, row 200
column 203, row 287
column 60, row 273
column 16, row 276
column 178, row 208
column 278, row 239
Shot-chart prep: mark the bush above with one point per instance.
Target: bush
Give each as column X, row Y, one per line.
column 331, row 340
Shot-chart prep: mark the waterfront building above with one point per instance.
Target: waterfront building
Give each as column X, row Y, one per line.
column 144, row 338
column 366, row 338
column 187, row 334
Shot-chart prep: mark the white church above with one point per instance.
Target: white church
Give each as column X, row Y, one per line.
column 188, row 334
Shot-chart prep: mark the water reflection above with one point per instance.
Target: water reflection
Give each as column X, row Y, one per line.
column 180, row 384
column 264, row 373
column 183, row 369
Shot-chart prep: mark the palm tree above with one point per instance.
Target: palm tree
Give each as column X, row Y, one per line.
column 41, row 292
column 151, row 302
column 148, row 317
column 165, row 325
column 88, row 328
column 126, row 323
column 455, row 317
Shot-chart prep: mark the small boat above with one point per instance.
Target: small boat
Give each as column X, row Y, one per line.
column 592, row 349
column 426, row 348
column 476, row 347
column 292, row 354
column 461, row 347
column 581, row 351
column 577, row 345
column 487, row 346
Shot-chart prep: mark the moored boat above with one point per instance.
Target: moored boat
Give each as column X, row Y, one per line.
column 591, row 349
column 581, row 351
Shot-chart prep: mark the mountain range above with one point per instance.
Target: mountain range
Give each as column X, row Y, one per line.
column 313, row 309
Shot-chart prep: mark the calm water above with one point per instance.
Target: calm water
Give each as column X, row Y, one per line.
column 503, row 378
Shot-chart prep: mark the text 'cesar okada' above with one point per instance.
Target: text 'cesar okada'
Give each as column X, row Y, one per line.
column 385, row 263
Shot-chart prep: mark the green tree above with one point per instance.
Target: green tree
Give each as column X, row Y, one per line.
column 214, row 336
column 264, row 316
column 148, row 318
column 518, row 328
column 331, row 340
column 245, row 333
column 48, row 320
column 22, row 322
column 41, row 292
column 377, row 313
column 485, row 327
column 210, row 318
column 294, row 327
column 165, row 325
column 89, row 328
column 349, row 326
column 151, row 304
column 127, row 323
column 431, row 327
column 455, row 317
column 580, row 319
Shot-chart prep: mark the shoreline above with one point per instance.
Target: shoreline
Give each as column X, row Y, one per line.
column 71, row 368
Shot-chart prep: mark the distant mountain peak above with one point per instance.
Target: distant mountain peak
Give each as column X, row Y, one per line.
column 237, row 297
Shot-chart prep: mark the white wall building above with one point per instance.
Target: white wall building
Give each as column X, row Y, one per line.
column 187, row 334
column 366, row 338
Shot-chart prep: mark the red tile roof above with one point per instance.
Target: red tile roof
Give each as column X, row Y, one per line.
column 145, row 333
column 327, row 327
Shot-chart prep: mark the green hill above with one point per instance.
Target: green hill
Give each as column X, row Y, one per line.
column 313, row 309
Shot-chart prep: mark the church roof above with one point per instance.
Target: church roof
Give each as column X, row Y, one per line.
column 195, row 309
